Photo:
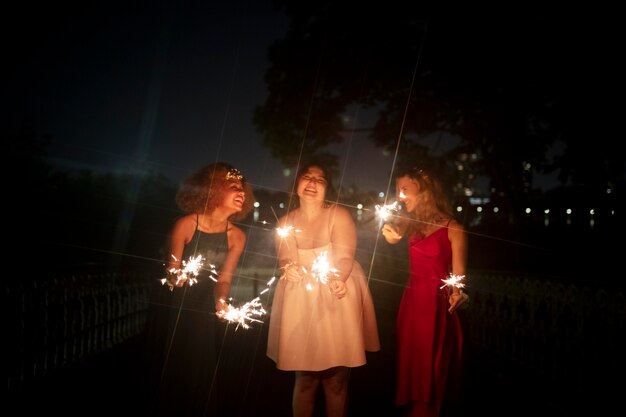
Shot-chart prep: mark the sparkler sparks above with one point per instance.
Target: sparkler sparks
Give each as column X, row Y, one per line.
column 189, row 272
column 244, row 314
column 454, row 280
column 321, row 268
column 286, row 231
column 247, row 313
column 388, row 211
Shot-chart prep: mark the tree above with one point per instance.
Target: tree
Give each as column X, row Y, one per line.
column 511, row 85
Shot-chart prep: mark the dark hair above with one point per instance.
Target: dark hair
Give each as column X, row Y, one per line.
column 204, row 190
column 330, row 196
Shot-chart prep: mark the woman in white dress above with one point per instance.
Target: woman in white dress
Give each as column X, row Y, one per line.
column 321, row 323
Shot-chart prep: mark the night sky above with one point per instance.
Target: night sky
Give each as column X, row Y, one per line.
column 167, row 89
column 143, row 93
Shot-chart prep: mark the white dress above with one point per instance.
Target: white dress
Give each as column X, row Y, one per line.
column 310, row 329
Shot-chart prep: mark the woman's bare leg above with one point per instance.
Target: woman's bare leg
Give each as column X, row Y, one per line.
column 335, row 383
column 304, row 393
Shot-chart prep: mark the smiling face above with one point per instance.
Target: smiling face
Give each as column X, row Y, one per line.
column 234, row 195
column 408, row 191
column 312, row 184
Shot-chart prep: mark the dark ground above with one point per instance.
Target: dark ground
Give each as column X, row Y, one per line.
column 109, row 384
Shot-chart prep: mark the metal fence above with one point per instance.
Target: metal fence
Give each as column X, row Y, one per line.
column 59, row 322
column 559, row 330
column 569, row 334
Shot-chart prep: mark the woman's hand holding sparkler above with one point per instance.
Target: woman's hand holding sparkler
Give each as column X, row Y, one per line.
column 240, row 315
column 174, row 278
column 391, row 234
column 177, row 277
column 457, row 299
column 221, row 308
column 337, row 288
column 292, row 271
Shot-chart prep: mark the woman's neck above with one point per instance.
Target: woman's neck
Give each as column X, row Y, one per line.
column 310, row 210
column 212, row 222
column 427, row 221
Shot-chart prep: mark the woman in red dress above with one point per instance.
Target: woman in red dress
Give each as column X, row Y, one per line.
column 429, row 334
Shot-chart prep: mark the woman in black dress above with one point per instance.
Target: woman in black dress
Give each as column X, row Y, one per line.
column 182, row 327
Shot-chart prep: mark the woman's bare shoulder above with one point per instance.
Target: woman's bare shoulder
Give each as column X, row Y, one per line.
column 454, row 224
column 235, row 234
column 188, row 221
column 339, row 216
column 338, row 210
column 455, row 228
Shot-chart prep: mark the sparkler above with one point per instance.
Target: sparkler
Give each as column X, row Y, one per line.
column 240, row 315
column 453, row 280
column 286, row 231
column 244, row 314
column 247, row 313
column 385, row 211
column 321, row 268
column 189, row 272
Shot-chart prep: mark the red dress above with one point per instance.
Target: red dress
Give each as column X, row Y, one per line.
column 429, row 337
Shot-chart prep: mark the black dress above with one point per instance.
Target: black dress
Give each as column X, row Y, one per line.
column 181, row 333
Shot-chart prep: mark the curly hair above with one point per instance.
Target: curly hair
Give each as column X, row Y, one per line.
column 204, row 190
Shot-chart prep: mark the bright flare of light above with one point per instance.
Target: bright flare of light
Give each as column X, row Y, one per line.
column 384, row 212
column 321, row 268
column 454, row 280
column 191, row 268
column 245, row 314
column 286, row 231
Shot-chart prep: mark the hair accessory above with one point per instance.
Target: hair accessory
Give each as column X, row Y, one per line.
column 234, row 174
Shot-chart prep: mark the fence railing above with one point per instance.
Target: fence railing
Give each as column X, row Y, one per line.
column 559, row 330
column 58, row 322
column 570, row 334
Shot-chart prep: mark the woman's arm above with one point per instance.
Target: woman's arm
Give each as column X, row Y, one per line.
column 343, row 239
column 236, row 244
column 458, row 243
column 180, row 236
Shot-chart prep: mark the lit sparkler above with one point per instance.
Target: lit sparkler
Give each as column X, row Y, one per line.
column 454, row 280
column 388, row 212
column 189, row 272
column 286, row 231
column 321, row 268
column 247, row 313
column 385, row 211
column 244, row 314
